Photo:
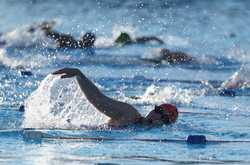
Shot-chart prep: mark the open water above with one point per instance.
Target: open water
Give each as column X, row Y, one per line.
column 216, row 33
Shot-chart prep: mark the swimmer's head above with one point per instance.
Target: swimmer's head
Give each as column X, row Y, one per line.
column 88, row 39
column 163, row 114
column 47, row 25
column 123, row 38
column 164, row 51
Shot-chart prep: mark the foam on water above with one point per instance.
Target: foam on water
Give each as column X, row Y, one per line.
column 104, row 42
column 59, row 103
column 176, row 41
column 6, row 61
column 238, row 54
column 153, row 54
column 28, row 60
column 1, row 97
column 22, row 38
column 169, row 94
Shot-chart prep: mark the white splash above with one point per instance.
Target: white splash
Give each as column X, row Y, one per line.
column 1, row 97
column 22, row 38
column 10, row 62
column 153, row 54
column 170, row 94
column 238, row 54
column 239, row 79
column 59, row 103
column 176, row 41
column 27, row 61
column 103, row 42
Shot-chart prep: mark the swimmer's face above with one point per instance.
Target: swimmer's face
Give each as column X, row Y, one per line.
column 164, row 51
column 159, row 116
column 154, row 118
column 164, row 114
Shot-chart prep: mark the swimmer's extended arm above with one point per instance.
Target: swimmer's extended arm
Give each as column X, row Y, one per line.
column 148, row 39
column 114, row 109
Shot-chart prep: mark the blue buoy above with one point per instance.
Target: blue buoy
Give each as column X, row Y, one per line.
column 26, row 73
column 196, row 139
column 227, row 92
column 21, row 108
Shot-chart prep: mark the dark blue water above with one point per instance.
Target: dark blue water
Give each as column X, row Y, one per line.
column 216, row 33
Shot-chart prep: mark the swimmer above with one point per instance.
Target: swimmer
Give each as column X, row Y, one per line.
column 175, row 57
column 172, row 57
column 120, row 113
column 125, row 39
column 239, row 79
column 65, row 40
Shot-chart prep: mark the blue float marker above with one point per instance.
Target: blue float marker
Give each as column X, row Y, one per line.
column 196, row 139
column 227, row 92
column 21, row 108
column 26, row 73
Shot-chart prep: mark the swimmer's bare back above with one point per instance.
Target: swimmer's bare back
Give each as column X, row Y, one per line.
column 63, row 40
column 120, row 113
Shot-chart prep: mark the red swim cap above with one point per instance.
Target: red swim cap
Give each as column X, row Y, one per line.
column 171, row 110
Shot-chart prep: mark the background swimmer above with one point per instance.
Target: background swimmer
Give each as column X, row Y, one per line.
column 66, row 40
column 171, row 57
column 124, row 38
column 45, row 30
column 239, row 79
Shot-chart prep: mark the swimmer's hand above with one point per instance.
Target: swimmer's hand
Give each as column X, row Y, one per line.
column 68, row 72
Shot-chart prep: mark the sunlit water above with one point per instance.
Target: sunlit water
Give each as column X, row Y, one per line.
column 215, row 32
